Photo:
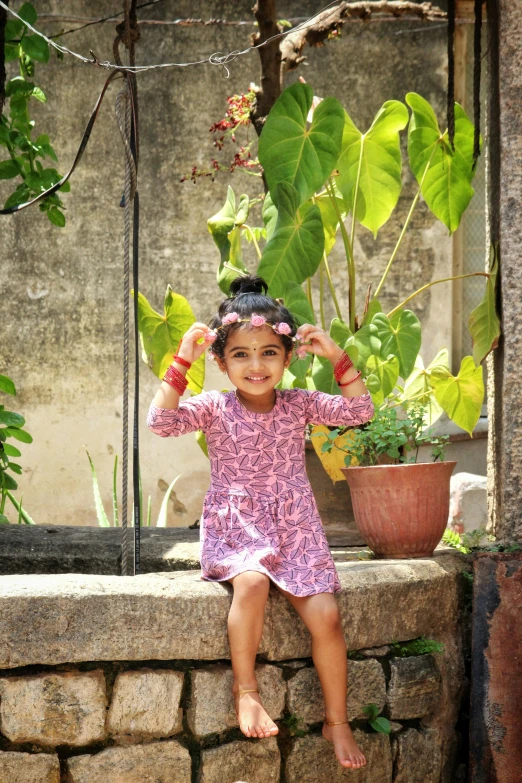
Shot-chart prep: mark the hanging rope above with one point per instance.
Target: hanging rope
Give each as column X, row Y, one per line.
column 477, row 65
column 126, row 112
column 451, row 73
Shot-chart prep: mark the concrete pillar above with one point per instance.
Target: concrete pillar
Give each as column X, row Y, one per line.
column 504, row 226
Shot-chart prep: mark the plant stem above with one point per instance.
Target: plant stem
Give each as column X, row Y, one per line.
column 254, row 241
column 321, row 296
column 357, row 180
column 434, row 282
column 349, row 258
column 332, row 289
column 309, row 293
column 410, row 213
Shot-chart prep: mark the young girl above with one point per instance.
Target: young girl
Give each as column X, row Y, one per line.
column 260, row 521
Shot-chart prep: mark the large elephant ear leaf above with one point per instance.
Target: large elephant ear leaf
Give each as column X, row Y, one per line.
column 444, row 174
column 295, row 250
column 460, row 396
column 330, row 218
column 297, row 302
column 160, row 336
column 269, row 213
column 401, row 336
column 483, row 324
column 292, row 152
column 374, row 160
column 418, row 386
column 224, row 227
column 387, row 371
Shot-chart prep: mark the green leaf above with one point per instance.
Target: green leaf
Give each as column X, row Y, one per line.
column 162, row 516
column 330, row 219
column 39, row 95
column 418, row 385
column 56, row 217
column 377, row 155
column 225, row 232
column 8, row 481
column 98, row 503
column 340, row 332
column 28, row 13
column 381, row 725
column 483, row 323
column 3, row 520
column 18, row 434
column 401, row 336
column 18, row 107
column 367, row 342
column 13, row 29
column 447, row 185
column 460, row 396
column 269, row 214
column 15, row 468
column 290, row 152
column 202, row 442
column 387, row 371
column 374, row 307
column 295, row 250
column 297, row 302
column 160, row 336
column 35, row 48
column 11, row 51
column 6, row 385
column 19, row 196
column 8, row 169
column 11, row 451
column 18, row 86
column 21, row 511
column 9, row 419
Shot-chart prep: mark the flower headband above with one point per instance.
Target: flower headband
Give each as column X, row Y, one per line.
column 281, row 328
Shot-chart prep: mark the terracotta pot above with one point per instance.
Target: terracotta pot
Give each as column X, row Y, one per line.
column 401, row 510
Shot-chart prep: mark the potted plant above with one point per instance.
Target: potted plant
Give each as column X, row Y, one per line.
column 327, row 179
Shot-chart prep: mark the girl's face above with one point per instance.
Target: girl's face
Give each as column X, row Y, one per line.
column 254, row 359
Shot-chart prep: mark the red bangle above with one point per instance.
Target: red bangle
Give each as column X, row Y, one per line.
column 355, row 377
column 183, row 362
column 343, row 364
column 175, row 379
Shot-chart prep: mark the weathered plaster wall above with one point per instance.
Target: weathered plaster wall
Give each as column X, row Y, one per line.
column 61, row 308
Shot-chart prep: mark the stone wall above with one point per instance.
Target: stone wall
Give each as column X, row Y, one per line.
column 127, row 679
column 61, row 305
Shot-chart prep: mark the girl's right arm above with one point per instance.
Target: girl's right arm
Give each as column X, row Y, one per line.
column 167, row 397
column 167, row 415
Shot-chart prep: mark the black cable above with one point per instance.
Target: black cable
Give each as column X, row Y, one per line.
column 477, row 63
column 451, row 73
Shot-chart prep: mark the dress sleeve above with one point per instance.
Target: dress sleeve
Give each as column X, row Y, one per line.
column 337, row 411
column 193, row 414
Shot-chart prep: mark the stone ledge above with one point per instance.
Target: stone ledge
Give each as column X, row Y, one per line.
column 51, row 619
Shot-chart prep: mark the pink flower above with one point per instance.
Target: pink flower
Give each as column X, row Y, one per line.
column 282, row 328
column 257, row 320
column 210, row 337
column 230, row 318
column 301, row 353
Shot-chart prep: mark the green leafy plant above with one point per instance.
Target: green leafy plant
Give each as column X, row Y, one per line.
column 465, row 542
column 11, row 427
column 389, row 434
column 101, row 516
column 419, row 646
column 376, row 721
column 295, row 725
column 16, row 128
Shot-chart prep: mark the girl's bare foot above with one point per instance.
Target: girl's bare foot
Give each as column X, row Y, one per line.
column 346, row 749
column 253, row 719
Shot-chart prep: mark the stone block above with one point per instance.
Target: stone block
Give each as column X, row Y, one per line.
column 417, row 756
column 468, row 501
column 415, row 687
column 312, row 760
column 212, row 704
column 156, row 762
column 366, row 683
column 63, row 708
column 50, row 619
column 29, row 768
column 241, row 762
column 145, row 704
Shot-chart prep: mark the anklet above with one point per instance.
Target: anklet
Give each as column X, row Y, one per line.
column 335, row 722
column 250, row 690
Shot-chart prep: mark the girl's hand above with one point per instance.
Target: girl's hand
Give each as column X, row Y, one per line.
column 190, row 349
column 317, row 341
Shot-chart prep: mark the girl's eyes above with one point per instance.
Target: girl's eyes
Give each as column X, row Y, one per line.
column 243, row 354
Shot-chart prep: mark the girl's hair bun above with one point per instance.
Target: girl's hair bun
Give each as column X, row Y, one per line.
column 248, row 284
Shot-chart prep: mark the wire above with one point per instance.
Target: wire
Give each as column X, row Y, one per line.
column 216, row 58
column 97, row 21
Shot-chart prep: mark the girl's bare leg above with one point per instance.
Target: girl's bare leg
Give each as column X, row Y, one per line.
column 245, row 627
column 321, row 616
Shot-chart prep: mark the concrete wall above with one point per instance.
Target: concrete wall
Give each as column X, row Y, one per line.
column 61, row 304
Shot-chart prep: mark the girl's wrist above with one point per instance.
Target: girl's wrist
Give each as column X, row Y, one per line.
column 335, row 355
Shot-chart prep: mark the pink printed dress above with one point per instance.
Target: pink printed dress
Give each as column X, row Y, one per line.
column 259, row 513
